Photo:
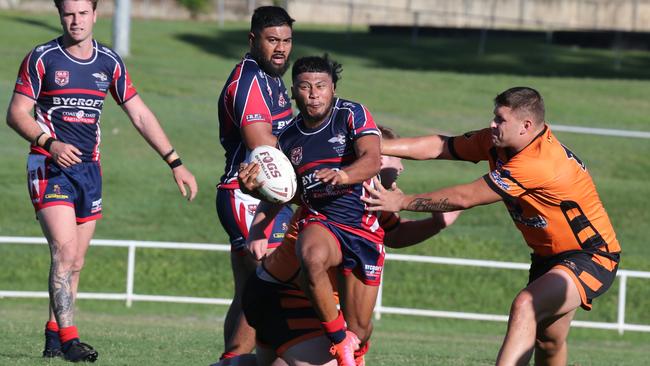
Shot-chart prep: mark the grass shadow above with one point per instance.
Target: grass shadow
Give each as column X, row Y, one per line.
column 521, row 55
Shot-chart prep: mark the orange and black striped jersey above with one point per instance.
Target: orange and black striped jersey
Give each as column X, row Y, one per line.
column 548, row 192
column 283, row 265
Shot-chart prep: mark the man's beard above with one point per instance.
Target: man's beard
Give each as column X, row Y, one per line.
column 268, row 66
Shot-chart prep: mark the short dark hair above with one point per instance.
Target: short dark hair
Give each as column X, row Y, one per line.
column 523, row 99
column 387, row 133
column 269, row 16
column 59, row 4
column 317, row 64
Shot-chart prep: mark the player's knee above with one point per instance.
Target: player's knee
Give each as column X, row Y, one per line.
column 549, row 347
column 523, row 304
column 78, row 264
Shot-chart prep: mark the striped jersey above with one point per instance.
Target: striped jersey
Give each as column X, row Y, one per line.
column 331, row 145
column 249, row 96
column 548, row 192
column 70, row 92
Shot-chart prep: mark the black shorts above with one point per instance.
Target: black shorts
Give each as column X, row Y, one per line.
column 281, row 314
column 593, row 272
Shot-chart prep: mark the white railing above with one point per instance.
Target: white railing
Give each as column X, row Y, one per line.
column 130, row 296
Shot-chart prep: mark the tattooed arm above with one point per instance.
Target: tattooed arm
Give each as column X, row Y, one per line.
column 453, row 198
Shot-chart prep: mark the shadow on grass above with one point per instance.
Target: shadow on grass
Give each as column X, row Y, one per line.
column 528, row 56
column 34, row 22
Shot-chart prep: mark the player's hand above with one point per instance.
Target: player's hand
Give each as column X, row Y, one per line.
column 333, row 177
column 65, row 155
column 382, row 199
column 258, row 247
column 183, row 177
column 247, row 178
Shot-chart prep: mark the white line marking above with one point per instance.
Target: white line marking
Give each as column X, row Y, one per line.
column 601, row 131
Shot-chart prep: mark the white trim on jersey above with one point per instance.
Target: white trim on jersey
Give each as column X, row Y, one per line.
column 95, row 49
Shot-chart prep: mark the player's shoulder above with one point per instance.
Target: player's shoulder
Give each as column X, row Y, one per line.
column 42, row 49
column 107, row 52
column 346, row 104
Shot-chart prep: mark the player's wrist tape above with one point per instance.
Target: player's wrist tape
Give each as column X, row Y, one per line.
column 166, row 156
column 48, row 143
column 35, row 142
column 175, row 163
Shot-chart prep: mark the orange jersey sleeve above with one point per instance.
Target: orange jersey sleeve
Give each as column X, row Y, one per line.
column 472, row 146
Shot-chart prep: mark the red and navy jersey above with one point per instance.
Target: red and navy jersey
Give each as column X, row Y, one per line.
column 70, row 92
column 331, row 145
column 249, row 96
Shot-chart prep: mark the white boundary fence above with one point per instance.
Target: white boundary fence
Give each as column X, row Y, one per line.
column 130, row 296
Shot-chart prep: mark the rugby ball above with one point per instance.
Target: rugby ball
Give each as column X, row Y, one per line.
column 276, row 174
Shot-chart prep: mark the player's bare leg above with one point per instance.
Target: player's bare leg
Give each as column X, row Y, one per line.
column 551, row 344
column 60, row 228
column 358, row 303
column 553, row 294
column 68, row 245
column 239, row 337
column 312, row 352
column 318, row 252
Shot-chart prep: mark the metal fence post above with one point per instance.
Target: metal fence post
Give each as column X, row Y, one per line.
column 622, row 290
column 130, row 275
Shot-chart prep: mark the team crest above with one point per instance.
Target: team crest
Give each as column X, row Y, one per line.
column 251, row 209
column 296, row 155
column 62, row 78
column 281, row 101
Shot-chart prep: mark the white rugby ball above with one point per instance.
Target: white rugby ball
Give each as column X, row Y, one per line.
column 276, row 172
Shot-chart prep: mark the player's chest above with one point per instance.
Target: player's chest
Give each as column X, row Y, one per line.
column 326, row 147
column 66, row 77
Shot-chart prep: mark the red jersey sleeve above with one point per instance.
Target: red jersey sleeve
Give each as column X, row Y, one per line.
column 30, row 76
column 122, row 88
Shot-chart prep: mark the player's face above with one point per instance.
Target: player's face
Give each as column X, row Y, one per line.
column 271, row 49
column 314, row 94
column 507, row 127
column 391, row 168
column 77, row 19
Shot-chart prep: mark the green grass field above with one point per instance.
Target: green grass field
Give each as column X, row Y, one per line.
column 435, row 85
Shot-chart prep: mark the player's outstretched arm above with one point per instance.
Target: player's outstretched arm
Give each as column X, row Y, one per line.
column 257, row 241
column 417, row 148
column 453, row 198
column 20, row 119
column 411, row 232
column 147, row 124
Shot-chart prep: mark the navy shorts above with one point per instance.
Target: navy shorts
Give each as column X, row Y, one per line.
column 236, row 211
column 281, row 314
column 360, row 255
column 593, row 272
column 78, row 186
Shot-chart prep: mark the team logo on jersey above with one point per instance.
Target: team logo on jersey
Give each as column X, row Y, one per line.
column 496, row 178
column 254, row 117
column 57, row 193
column 281, row 101
column 19, row 81
column 251, row 209
column 43, row 47
column 296, row 155
column 62, row 77
column 96, row 206
column 100, row 76
column 338, row 139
